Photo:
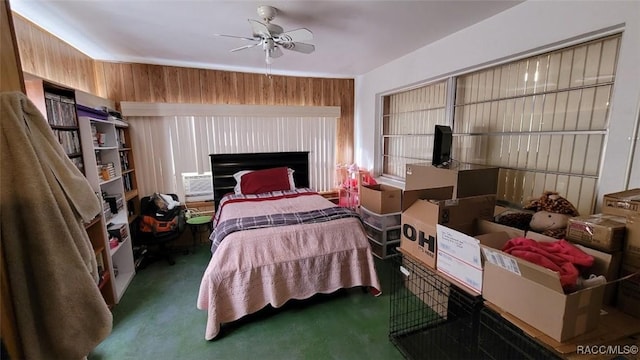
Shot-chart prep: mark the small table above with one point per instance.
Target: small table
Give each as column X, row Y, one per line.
column 196, row 223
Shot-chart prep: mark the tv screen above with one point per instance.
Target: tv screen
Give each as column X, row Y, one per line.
column 442, row 145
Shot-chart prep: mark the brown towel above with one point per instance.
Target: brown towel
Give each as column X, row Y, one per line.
column 49, row 259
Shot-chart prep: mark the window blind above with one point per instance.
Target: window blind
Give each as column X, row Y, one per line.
column 167, row 146
column 542, row 119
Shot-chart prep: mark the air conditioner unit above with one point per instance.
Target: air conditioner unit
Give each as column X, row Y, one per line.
column 197, row 187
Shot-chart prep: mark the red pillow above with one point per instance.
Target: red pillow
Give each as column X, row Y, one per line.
column 261, row 181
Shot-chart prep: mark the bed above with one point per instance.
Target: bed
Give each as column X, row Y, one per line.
column 308, row 245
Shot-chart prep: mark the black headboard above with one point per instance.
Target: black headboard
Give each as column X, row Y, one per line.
column 223, row 166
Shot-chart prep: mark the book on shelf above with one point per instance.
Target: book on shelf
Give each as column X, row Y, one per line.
column 61, row 110
column 112, row 170
column 100, row 262
column 126, row 179
column 118, row 231
column 107, row 171
column 69, row 140
column 120, row 138
column 124, row 161
column 94, row 134
column 77, row 161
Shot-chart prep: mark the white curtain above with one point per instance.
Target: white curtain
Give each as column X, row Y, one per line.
column 167, row 146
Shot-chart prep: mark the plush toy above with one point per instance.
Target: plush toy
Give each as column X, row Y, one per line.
column 548, row 215
column 515, row 218
column 552, row 213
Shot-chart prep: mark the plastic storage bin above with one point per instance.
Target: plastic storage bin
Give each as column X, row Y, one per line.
column 382, row 236
column 380, row 221
column 384, row 251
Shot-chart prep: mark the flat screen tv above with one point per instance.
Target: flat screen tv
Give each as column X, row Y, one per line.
column 442, row 145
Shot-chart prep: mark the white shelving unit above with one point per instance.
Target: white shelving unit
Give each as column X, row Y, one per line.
column 103, row 171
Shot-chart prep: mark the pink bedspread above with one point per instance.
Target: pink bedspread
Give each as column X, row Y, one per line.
column 254, row 268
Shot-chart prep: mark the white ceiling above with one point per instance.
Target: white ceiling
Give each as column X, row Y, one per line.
column 351, row 37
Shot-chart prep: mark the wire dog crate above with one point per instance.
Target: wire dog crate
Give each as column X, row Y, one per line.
column 500, row 339
column 430, row 317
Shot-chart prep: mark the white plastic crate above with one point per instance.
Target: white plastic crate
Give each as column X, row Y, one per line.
column 384, row 251
column 380, row 221
column 382, row 236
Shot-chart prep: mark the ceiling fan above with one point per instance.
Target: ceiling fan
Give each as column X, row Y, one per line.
column 271, row 37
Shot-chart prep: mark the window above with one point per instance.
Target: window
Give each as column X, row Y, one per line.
column 543, row 120
column 408, row 121
column 170, row 144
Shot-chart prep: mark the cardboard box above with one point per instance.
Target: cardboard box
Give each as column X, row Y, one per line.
column 459, row 257
column 411, row 196
column 458, row 260
column 381, row 199
column 487, row 226
column 623, row 203
column 420, row 219
column 599, row 231
column 609, row 265
column 614, row 328
column 460, row 272
column 632, row 241
column 629, row 291
column 611, row 270
column 466, row 179
column 534, row 294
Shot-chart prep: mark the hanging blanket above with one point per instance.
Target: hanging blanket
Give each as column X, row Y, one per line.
column 50, row 263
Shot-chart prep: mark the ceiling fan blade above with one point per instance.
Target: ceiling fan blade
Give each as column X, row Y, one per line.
column 302, row 34
column 245, row 47
column 259, row 29
column 299, row 47
column 236, row 37
column 276, row 52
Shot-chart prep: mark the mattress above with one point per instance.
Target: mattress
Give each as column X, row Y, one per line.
column 270, row 265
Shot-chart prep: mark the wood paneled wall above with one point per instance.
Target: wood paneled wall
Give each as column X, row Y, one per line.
column 10, row 73
column 154, row 83
column 48, row 57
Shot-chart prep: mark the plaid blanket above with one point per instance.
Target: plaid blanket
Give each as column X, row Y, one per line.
column 272, row 195
column 256, row 222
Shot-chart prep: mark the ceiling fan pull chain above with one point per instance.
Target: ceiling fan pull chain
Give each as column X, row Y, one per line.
column 267, row 69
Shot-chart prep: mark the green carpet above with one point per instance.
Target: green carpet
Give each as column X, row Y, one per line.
column 157, row 319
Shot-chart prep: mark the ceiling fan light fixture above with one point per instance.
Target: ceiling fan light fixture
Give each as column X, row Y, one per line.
column 266, row 12
column 272, row 37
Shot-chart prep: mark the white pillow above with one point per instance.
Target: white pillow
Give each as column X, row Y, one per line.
column 291, row 181
column 238, row 177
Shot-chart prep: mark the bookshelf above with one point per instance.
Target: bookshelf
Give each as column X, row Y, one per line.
column 127, row 166
column 95, row 229
column 102, row 148
column 58, row 105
